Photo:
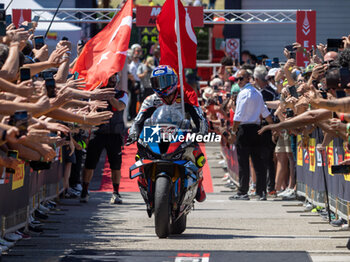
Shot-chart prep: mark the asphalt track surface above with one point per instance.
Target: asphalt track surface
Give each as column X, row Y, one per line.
column 218, row 230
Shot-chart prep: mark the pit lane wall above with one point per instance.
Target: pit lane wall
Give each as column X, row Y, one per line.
column 22, row 192
column 313, row 172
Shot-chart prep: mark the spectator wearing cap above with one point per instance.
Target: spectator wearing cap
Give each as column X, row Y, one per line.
column 250, row 107
column 207, row 94
column 271, row 78
column 268, row 147
column 216, row 83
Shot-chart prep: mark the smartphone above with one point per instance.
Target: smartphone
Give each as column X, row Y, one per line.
column 289, row 112
column 334, row 44
column 13, row 154
column 69, row 76
column 50, row 87
column 26, row 28
column 324, row 94
column 2, row 14
column 20, row 120
column 24, row 74
column 36, row 19
column 291, row 50
column 53, row 134
column 268, row 62
column 344, row 77
column 340, row 93
column 8, row 20
column 220, row 99
column 39, row 41
column 30, row 25
column 293, row 91
column 76, row 75
column 228, row 95
column 47, row 74
column 340, row 169
column 2, row 28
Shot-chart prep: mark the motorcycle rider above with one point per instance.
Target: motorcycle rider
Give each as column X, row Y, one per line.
column 164, row 84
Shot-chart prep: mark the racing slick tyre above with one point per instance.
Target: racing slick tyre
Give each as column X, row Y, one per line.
column 162, row 207
column 179, row 226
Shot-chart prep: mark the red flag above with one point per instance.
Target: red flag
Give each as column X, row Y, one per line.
column 21, row 15
column 168, row 43
column 105, row 53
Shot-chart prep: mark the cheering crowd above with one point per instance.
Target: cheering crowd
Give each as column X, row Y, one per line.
column 297, row 100
column 44, row 108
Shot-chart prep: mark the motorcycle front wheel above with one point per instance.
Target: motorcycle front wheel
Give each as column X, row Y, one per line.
column 179, row 226
column 162, row 207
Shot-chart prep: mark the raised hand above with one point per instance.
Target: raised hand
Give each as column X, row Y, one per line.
column 56, row 59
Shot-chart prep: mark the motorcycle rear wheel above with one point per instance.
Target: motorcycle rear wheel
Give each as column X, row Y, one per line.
column 162, row 207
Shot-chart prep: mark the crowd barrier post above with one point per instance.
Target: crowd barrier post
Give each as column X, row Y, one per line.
column 336, row 208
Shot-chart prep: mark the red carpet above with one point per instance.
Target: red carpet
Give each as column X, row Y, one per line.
column 130, row 185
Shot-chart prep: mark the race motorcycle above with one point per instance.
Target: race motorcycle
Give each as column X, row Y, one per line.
column 167, row 175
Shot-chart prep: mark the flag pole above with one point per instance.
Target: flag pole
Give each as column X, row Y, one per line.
column 53, row 18
column 179, row 56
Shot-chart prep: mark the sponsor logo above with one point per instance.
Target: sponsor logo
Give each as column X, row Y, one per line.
column 169, row 133
column 306, row 25
column 158, row 72
column 155, row 11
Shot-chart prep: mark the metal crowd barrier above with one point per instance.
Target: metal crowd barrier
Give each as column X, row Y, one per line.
column 21, row 195
column 313, row 172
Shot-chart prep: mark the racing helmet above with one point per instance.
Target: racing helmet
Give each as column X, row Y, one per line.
column 164, row 82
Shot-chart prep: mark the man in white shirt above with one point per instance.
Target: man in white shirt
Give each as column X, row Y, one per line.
column 250, row 108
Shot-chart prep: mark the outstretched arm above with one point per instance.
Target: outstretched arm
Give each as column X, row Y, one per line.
column 308, row 117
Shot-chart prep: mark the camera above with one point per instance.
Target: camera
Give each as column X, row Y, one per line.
column 291, row 50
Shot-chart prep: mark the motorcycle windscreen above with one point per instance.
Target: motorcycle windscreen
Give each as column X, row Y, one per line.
column 161, row 130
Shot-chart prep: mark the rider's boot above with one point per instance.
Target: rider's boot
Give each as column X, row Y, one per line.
column 201, row 195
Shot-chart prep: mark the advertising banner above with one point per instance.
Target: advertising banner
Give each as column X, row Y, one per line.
column 306, row 34
column 146, row 16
